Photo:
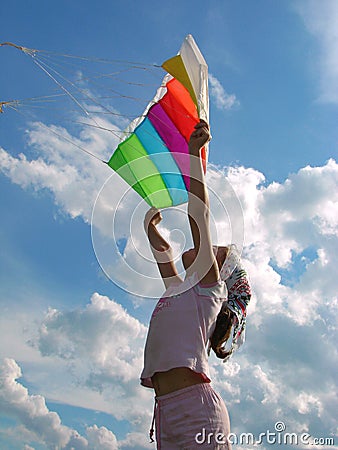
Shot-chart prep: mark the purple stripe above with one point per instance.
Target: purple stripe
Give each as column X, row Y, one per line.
column 172, row 139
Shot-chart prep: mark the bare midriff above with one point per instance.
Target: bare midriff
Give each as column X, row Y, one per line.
column 175, row 379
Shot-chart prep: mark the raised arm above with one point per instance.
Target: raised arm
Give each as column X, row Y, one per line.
column 205, row 263
column 160, row 248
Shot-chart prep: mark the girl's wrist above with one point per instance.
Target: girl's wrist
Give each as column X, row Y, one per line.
column 194, row 150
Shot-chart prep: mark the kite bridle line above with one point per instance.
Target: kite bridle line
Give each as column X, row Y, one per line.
column 44, row 66
column 15, row 105
column 31, row 51
column 50, row 130
column 53, row 74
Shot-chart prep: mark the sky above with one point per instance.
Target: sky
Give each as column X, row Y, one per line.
column 77, row 282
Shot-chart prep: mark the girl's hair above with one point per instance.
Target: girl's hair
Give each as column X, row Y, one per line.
column 222, row 332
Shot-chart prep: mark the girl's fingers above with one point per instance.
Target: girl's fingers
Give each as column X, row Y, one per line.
column 202, row 124
column 200, row 132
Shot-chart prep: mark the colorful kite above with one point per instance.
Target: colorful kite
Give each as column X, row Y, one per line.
column 153, row 158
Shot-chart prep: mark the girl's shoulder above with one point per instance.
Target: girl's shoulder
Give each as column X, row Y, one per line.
column 217, row 289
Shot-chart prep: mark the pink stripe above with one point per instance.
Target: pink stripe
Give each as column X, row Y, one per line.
column 172, row 139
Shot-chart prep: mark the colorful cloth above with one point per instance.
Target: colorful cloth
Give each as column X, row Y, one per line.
column 239, row 295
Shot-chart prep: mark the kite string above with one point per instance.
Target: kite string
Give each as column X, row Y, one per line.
column 59, row 135
column 47, row 68
column 114, row 91
column 90, row 98
column 100, row 75
column 31, row 51
column 60, row 85
column 63, row 88
column 44, row 67
column 14, row 104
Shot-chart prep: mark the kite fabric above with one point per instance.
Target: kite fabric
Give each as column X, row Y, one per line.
column 154, row 157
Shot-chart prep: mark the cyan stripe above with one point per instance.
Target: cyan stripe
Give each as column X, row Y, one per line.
column 163, row 160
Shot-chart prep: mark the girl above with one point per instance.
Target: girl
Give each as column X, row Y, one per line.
column 209, row 305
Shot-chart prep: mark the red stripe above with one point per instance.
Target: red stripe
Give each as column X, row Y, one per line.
column 179, row 106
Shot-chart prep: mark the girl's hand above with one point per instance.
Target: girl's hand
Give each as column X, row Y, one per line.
column 199, row 137
column 152, row 217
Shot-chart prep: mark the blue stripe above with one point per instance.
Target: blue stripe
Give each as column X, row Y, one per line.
column 163, row 160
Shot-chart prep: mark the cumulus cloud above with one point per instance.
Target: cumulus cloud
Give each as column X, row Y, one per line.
column 321, row 20
column 282, row 387
column 101, row 438
column 35, row 423
column 103, row 348
column 73, row 177
column 222, row 99
column 31, row 411
column 103, row 333
column 306, row 402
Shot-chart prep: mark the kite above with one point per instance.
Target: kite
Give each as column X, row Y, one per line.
column 154, row 157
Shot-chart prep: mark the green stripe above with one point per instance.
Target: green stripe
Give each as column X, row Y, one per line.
column 133, row 164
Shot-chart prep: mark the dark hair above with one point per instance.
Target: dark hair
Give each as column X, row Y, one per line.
column 222, row 332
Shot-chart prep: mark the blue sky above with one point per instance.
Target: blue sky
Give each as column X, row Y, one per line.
column 71, row 339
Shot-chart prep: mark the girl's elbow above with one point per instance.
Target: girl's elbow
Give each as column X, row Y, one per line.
column 199, row 211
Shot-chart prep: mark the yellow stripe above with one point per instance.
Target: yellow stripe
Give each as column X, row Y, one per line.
column 176, row 68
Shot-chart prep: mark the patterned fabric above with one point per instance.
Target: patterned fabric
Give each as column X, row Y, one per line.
column 239, row 294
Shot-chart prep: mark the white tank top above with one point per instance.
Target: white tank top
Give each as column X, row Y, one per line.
column 180, row 327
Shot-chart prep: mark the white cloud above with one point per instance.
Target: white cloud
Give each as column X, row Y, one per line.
column 73, row 177
column 321, row 20
column 35, row 423
column 102, row 347
column 31, row 411
column 270, row 389
column 222, row 99
column 101, row 438
column 103, row 333
column 307, row 402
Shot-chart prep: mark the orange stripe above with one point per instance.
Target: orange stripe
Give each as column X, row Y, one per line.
column 181, row 109
column 179, row 106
